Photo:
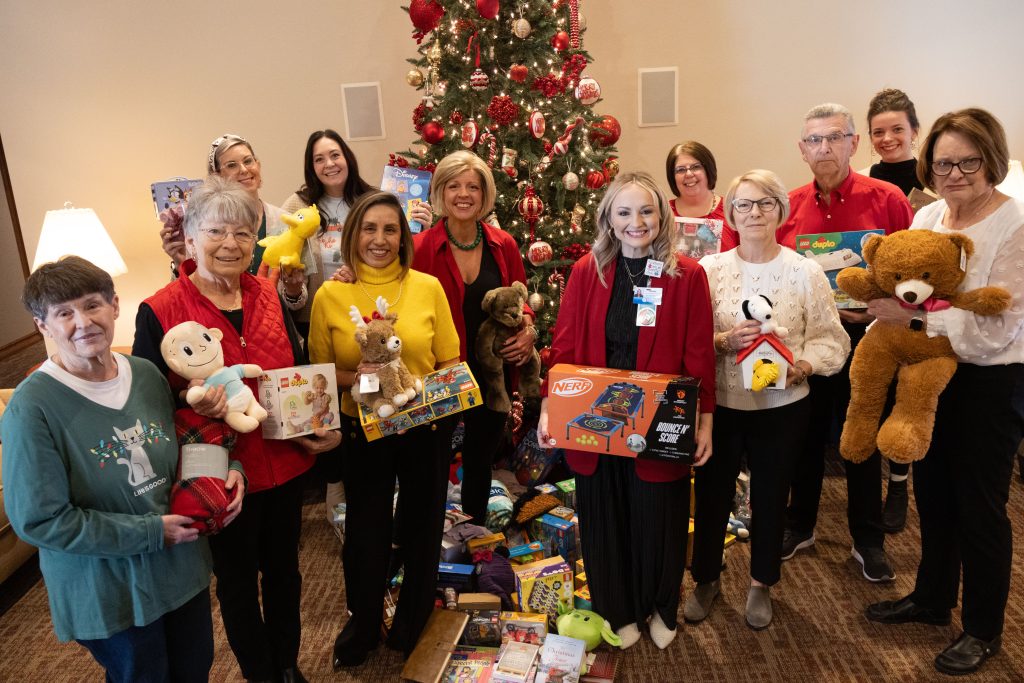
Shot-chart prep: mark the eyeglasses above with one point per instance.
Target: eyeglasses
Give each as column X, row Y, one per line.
column 242, row 237
column 233, row 166
column 692, row 168
column 966, row 166
column 831, row 138
column 746, row 205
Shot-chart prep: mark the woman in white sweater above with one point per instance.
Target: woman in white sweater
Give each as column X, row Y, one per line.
column 768, row 425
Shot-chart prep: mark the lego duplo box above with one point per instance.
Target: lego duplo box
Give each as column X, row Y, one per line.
column 447, row 391
column 634, row 414
column 542, row 585
column 298, row 400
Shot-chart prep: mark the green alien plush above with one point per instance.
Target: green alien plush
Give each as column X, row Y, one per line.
column 590, row 627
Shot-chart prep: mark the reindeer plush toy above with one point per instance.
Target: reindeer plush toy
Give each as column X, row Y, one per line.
column 381, row 347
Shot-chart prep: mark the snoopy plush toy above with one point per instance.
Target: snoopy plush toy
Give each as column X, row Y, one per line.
column 761, row 309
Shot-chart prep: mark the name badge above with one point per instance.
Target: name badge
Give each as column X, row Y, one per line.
column 647, row 295
column 653, row 268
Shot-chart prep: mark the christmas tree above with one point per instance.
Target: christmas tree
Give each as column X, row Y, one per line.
column 510, row 84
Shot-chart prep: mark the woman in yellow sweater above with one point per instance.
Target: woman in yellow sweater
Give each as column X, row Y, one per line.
column 377, row 243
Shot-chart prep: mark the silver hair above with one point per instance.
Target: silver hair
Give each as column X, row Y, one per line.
column 828, row 110
column 221, row 200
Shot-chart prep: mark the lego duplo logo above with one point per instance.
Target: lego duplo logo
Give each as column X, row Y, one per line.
column 572, row 386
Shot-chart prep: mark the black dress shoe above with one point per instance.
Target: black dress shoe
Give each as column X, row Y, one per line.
column 966, row 654
column 347, row 652
column 904, row 611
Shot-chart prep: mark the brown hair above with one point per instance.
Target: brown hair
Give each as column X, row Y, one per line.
column 982, row 129
column 892, row 99
column 354, row 221
column 69, row 278
column 699, row 152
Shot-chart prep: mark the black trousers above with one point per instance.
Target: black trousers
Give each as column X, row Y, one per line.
column 962, row 487
column 258, row 554
column 633, row 538
column 419, row 459
column 771, row 439
column 484, row 430
column 830, row 396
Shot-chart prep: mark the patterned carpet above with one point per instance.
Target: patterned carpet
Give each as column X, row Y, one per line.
column 819, row 633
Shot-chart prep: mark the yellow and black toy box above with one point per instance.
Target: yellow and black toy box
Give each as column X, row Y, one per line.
column 445, row 392
column 634, row 414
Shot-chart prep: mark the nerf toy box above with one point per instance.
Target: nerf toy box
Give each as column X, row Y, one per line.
column 834, row 251
column 446, row 391
column 298, row 400
column 622, row 412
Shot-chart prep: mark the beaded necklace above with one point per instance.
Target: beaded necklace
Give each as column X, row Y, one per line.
column 465, row 247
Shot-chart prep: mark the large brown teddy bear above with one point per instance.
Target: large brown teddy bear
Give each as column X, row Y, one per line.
column 922, row 270
column 504, row 306
column 380, row 347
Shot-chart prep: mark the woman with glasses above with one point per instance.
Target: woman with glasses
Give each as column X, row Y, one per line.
column 692, row 173
column 231, row 157
column 767, row 425
column 259, row 553
column 962, row 485
column 893, row 126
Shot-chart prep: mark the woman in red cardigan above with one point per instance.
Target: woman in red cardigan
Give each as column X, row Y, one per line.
column 634, row 514
column 470, row 258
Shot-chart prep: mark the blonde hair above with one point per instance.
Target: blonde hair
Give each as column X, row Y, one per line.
column 455, row 164
column 766, row 181
column 607, row 246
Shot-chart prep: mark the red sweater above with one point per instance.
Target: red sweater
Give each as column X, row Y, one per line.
column 267, row 463
column 434, row 256
column 681, row 343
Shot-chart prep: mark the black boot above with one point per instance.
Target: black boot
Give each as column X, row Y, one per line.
column 894, row 514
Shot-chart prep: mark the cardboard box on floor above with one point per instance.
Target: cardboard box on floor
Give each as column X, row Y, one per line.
column 429, row 659
column 634, row 414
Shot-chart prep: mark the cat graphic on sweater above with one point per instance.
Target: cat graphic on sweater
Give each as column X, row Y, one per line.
column 140, row 470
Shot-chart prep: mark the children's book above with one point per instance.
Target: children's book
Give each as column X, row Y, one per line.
column 514, row 662
column 470, row 665
column 411, row 186
column 170, row 193
column 561, row 660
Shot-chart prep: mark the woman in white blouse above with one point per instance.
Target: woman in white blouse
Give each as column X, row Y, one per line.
column 768, row 425
column 963, row 483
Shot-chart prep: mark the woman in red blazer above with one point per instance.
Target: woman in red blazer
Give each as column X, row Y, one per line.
column 634, row 514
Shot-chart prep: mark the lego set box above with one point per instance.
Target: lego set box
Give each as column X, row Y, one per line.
column 298, row 400
column 623, row 412
column 445, row 392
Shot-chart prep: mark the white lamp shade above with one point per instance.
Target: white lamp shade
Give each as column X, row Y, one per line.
column 1013, row 185
column 78, row 232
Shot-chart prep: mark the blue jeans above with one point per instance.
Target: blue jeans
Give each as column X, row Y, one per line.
column 176, row 647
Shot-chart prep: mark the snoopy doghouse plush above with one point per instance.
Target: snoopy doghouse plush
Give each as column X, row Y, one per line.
column 923, row 271
column 765, row 362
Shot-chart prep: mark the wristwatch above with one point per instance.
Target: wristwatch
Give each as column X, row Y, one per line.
column 917, row 323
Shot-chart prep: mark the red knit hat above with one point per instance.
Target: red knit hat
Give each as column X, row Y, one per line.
column 204, row 499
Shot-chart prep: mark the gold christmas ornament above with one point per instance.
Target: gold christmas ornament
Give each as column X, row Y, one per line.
column 414, row 78
column 434, row 54
column 521, row 28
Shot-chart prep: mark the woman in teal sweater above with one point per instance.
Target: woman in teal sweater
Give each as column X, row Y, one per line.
column 90, row 457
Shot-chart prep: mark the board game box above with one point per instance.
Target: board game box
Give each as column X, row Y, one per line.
column 298, row 400
column 445, row 392
column 834, row 251
column 622, row 412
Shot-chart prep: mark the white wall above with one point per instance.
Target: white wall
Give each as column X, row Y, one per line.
column 101, row 99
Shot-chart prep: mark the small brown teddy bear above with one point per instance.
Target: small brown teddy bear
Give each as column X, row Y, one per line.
column 922, row 270
column 380, row 346
column 504, row 306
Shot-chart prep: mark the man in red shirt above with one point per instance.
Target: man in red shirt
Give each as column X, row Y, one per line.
column 839, row 200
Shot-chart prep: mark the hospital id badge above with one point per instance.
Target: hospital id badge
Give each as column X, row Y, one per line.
column 647, row 295
column 646, row 315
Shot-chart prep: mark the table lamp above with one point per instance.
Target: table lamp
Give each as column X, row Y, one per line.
column 79, row 232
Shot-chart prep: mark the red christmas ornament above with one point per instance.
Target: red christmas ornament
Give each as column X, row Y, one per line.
column 456, row 117
column 419, row 116
column 588, row 91
column 488, row 9
column 530, row 208
column 503, row 110
column 605, row 132
column 545, row 356
column 539, row 253
column 488, row 142
column 595, row 179
column 550, row 85
column 518, row 73
column 425, row 15
column 433, row 132
column 537, row 125
column 470, row 132
column 574, row 252
column 573, row 67
column 560, row 41
column 478, row 80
